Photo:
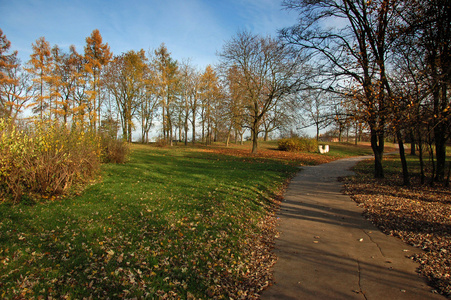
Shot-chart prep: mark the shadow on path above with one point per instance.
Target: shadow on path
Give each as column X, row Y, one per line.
column 327, row 250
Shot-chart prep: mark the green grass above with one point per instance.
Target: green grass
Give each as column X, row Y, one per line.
column 339, row 150
column 393, row 168
column 170, row 221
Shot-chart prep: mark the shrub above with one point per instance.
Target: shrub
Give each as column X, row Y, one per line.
column 291, row 145
column 13, row 146
column 309, row 145
column 161, row 142
column 298, row 144
column 47, row 159
column 114, row 150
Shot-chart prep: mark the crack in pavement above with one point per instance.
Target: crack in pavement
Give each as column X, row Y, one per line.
column 377, row 245
column 327, row 268
column 360, row 285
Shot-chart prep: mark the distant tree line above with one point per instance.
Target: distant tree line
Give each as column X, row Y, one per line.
column 381, row 66
column 136, row 90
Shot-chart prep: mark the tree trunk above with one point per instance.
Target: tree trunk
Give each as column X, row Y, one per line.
column 254, row 142
column 194, row 128
column 440, row 152
column 449, row 175
column 405, row 171
column 186, row 134
column 164, row 121
column 317, row 132
column 412, row 143
column 129, row 133
column 207, row 136
column 254, row 132
column 431, row 154
column 229, row 132
column 377, row 144
column 170, row 131
column 203, row 131
column 420, row 157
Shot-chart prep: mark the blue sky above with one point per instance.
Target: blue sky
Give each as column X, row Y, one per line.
column 191, row 29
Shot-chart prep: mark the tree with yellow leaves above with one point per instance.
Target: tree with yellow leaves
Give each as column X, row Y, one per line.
column 126, row 81
column 210, row 94
column 97, row 56
column 6, row 62
column 16, row 92
column 167, row 84
column 40, row 68
column 14, row 84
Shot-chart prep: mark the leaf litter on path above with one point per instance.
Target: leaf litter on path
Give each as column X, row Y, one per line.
column 419, row 216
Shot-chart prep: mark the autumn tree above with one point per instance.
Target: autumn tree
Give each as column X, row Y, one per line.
column 219, row 122
column 40, row 68
column 66, row 70
column 97, row 56
column 55, row 81
column 15, row 92
column 7, row 64
column 410, row 82
column 126, row 81
column 180, row 109
column 189, row 89
column 148, row 107
column 270, row 72
column 81, row 98
column 167, row 88
column 209, row 96
column 235, row 101
column 15, row 89
column 5, row 59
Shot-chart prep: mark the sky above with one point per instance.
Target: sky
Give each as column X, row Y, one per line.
column 190, row 29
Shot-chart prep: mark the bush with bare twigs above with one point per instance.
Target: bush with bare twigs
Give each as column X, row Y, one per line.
column 45, row 159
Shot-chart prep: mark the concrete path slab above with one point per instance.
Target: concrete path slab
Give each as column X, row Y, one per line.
column 328, row 250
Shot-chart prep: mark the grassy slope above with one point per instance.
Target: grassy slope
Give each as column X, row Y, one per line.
column 172, row 221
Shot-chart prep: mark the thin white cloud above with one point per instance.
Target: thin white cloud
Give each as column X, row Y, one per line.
column 193, row 29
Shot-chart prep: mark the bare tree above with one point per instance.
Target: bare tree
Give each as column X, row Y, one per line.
column 427, row 34
column 355, row 50
column 268, row 73
column 315, row 104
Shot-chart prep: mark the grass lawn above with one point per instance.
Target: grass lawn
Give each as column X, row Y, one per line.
column 172, row 222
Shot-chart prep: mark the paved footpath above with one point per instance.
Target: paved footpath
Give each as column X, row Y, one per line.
column 327, row 250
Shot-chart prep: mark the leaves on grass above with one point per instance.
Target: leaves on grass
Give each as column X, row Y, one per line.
column 167, row 225
column 297, row 158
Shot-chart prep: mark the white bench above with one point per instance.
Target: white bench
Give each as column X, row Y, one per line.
column 322, row 149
